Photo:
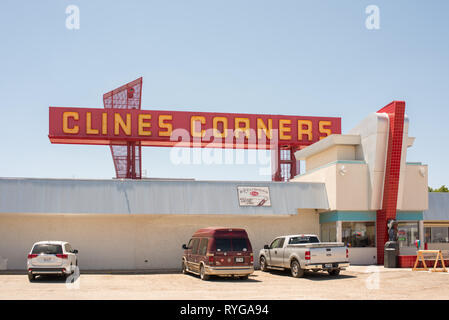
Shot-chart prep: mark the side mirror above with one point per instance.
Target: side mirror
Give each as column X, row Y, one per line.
column 184, row 247
column 266, row 247
column 75, row 251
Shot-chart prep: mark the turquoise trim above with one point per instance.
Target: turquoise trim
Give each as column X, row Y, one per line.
column 414, row 163
column 409, row 215
column 347, row 216
column 334, row 216
column 332, row 163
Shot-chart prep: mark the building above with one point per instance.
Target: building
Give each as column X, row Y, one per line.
column 352, row 186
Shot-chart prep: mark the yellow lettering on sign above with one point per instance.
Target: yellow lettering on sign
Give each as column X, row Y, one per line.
column 283, row 129
column 104, row 123
column 142, row 124
column 119, row 123
column 193, row 132
column 89, row 129
column 308, row 131
column 65, row 122
column 262, row 127
column 217, row 133
column 322, row 129
column 163, row 125
column 238, row 129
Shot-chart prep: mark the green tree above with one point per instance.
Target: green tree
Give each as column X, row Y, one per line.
column 443, row 188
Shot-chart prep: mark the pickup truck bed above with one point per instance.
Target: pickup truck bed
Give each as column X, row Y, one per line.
column 304, row 252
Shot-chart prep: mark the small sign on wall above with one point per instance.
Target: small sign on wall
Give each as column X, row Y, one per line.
column 254, row 196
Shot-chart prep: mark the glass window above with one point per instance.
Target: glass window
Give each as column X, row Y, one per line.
column 239, row 245
column 437, row 234
column 296, row 240
column 203, row 246
column 277, row 243
column 222, row 244
column 47, row 249
column 407, row 234
column 359, row 234
column 195, row 244
column 329, row 232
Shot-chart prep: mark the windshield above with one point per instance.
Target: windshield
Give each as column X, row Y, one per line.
column 297, row 240
column 47, row 249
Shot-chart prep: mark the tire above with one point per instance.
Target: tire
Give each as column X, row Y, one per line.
column 244, row 277
column 263, row 264
column 183, row 267
column 31, row 277
column 295, row 269
column 203, row 275
column 334, row 272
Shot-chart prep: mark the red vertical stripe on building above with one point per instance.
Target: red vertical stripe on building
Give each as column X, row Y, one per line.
column 396, row 112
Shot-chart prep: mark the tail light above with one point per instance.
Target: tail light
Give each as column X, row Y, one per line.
column 62, row 256
column 31, row 256
column 252, row 259
column 211, row 259
column 307, row 255
column 347, row 253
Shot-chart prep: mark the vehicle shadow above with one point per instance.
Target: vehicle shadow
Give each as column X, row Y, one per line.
column 313, row 276
column 53, row 279
column 251, row 279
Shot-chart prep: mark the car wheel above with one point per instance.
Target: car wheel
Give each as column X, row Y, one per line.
column 183, row 267
column 31, row 277
column 263, row 264
column 296, row 270
column 203, row 274
column 334, row 272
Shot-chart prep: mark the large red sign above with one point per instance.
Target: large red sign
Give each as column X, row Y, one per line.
column 186, row 129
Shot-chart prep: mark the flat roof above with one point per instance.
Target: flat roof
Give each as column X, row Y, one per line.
column 73, row 196
column 326, row 143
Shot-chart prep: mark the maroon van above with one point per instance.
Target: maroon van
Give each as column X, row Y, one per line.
column 219, row 251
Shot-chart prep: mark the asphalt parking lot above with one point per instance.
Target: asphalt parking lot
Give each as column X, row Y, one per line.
column 358, row 282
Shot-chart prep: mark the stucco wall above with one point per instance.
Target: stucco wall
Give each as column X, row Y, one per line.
column 415, row 192
column 347, row 185
column 327, row 175
column 339, row 152
column 124, row 242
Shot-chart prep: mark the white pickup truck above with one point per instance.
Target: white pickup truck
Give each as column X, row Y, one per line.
column 304, row 252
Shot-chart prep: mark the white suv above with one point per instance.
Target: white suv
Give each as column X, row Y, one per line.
column 51, row 257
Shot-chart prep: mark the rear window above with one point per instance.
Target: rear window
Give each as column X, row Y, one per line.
column 239, row 245
column 297, row 240
column 47, row 249
column 223, row 245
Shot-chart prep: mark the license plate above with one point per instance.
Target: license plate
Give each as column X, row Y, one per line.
column 47, row 259
column 328, row 265
column 240, row 259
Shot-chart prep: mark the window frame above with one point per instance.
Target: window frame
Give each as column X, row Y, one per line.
column 195, row 249
column 203, row 247
column 350, row 240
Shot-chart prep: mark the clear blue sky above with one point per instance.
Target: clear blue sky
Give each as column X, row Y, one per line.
column 281, row 57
